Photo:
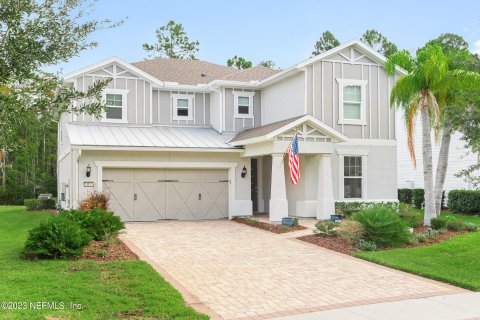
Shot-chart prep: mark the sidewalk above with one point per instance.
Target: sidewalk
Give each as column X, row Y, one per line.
column 449, row 307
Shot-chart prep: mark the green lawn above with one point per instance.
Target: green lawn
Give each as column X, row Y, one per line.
column 455, row 261
column 105, row 290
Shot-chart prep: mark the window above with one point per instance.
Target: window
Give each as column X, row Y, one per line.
column 352, row 102
column 115, row 105
column 243, row 104
column 352, row 177
column 182, row 107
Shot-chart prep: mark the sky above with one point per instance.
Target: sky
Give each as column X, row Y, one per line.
column 282, row 31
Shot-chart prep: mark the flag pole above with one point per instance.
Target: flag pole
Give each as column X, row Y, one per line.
column 291, row 141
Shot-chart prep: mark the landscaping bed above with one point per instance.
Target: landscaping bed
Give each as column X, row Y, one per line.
column 275, row 228
column 114, row 250
column 338, row 244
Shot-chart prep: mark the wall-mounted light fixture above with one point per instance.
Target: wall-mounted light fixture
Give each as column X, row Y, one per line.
column 89, row 170
column 244, row 172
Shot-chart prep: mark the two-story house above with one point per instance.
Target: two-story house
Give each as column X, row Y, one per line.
column 188, row 139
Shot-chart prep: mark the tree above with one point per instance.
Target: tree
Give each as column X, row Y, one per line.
column 35, row 34
column 426, row 88
column 326, row 42
column 267, row 64
column 172, row 42
column 458, row 56
column 239, row 63
column 379, row 42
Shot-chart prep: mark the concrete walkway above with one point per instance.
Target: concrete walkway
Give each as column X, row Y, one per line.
column 232, row 271
column 450, row 307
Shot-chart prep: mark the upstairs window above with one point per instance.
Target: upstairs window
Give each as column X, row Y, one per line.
column 182, row 107
column 351, row 105
column 115, row 105
column 243, row 104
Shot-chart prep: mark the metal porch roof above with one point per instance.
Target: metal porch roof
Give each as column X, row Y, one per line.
column 104, row 135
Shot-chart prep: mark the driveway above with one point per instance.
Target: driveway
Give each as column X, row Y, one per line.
column 233, row 271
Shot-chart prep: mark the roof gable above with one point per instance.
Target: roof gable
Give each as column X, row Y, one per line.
column 270, row 131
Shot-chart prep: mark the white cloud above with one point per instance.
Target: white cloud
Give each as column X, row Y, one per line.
column 476, row 47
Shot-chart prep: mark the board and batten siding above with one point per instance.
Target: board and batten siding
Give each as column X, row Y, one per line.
column 320, row 96
column 145, row 104
column 233, row 124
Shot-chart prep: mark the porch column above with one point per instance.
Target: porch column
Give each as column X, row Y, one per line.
column 278, row 193
column 325, row 201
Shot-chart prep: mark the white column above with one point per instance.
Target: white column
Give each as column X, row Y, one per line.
column 325, row 201
column 278, row 194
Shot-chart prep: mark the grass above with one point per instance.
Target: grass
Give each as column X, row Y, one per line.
column 105, row 290
column 454, row 261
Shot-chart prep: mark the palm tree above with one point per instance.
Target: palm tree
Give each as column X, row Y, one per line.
column 426, row 89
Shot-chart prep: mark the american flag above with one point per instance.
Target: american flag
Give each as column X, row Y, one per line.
column 294, row 160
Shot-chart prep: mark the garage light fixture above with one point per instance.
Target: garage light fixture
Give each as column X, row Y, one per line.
column 89, row 170
column 244, row 172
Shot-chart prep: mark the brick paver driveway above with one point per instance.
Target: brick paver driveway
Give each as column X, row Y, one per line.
column 242, row 272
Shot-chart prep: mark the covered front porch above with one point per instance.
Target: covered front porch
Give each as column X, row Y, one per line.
column 271, row 189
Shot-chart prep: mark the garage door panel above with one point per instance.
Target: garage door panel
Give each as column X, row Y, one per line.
column 121, row 198
column 181, row 200
column 150, row 175
column 214, row 202
column 212, row 175
column 150, row 203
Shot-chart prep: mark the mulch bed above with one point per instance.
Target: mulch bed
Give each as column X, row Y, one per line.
column 275, row 228
column 336, row 243
column 108, row 251
column 332, row 243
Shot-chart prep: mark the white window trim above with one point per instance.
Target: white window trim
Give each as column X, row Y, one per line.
column 341, row 189
column 363, row 110
column 190, row 99
column 122, row 92
column 246, row 94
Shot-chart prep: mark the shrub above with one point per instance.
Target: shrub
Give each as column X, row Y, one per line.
column 295, row 221
column 405, row 195
column 418, row 198
column 101, row 225
column 421, row 237
column 466, row 201
column 351, row 231
column 427, row 235
column 56, row 238
column 456, row 225
column 471, row 227
column 326, row 228
column 348, row 208
column 39, row 204
column 383, row 226
column 438, row 223
column 411, row 217
column 367, row 245
column 95, row 200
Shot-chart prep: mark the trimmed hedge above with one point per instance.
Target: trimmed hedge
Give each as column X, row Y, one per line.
column 39, row 204
column 405, row 195
column 465, row 201
column 418, row 198
column 100, row 224
column 347, row 208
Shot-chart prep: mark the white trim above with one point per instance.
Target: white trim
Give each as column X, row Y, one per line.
column 352, row 82
column 243, row 94
column 369, row 142
column 172, row 149
column 123, row 93
column 367, row 200
column 341, row 177
column 174, row 98
column 353, row 152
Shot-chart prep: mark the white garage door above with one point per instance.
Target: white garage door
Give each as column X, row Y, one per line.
column 180, row 194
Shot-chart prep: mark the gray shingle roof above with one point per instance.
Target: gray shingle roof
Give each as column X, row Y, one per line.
column 195, row 72
column 262, row 130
